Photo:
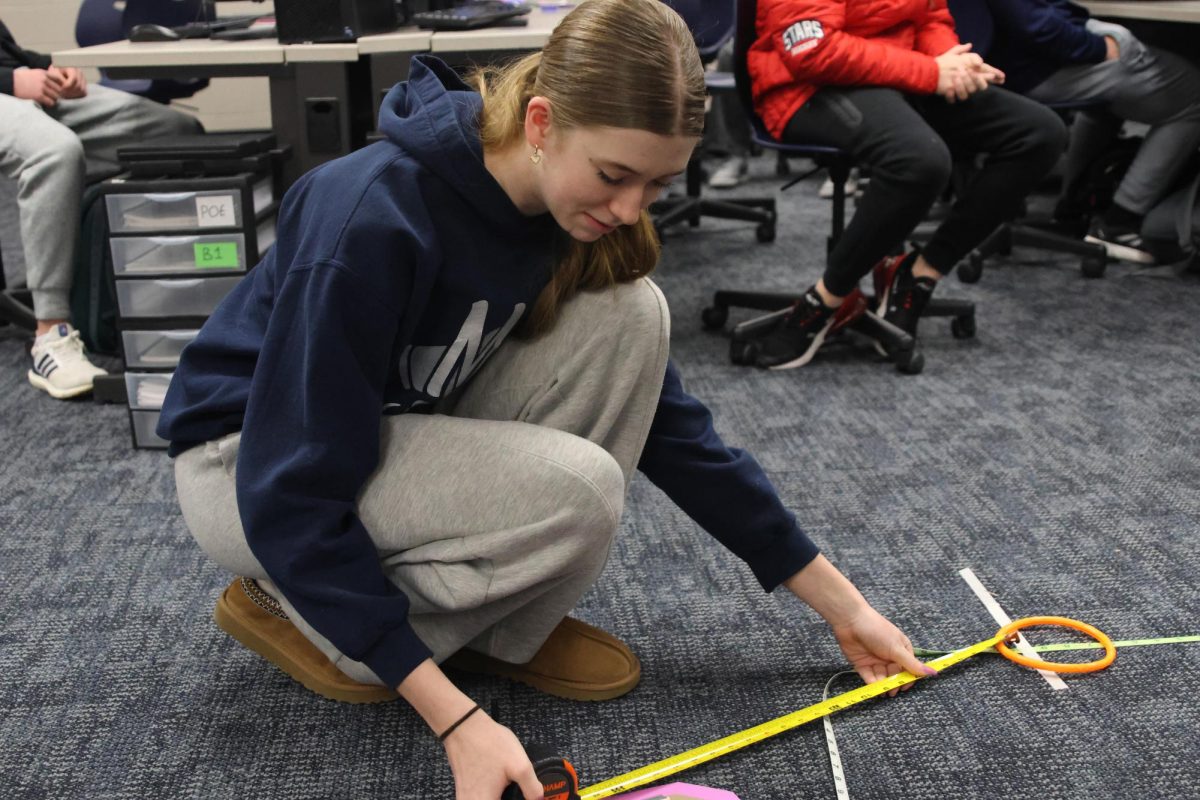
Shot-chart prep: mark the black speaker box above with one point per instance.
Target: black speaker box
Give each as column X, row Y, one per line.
column 332, row 20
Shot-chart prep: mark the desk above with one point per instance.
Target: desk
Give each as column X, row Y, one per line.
column 1168, row 24
column 313, row 87
column 1150, row 10
column 532, row 36
column 389, row 53
column 324, row 97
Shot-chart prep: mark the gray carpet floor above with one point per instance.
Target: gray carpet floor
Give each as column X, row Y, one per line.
column 1056, row 454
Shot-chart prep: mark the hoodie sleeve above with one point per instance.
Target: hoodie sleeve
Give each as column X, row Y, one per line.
column 1048, row 29
column 809, row 38
column 12, row 56
column 309, row 442
column 724, row 490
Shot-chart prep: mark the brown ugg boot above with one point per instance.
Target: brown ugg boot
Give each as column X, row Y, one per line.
column 578, row 662
column 256, row 619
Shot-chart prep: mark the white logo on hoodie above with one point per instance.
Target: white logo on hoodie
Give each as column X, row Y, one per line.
column 431, row 369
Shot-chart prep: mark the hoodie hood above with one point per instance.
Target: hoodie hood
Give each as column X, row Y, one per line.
column 434, row 117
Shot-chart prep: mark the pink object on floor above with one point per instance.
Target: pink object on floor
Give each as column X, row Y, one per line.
column 678, row 791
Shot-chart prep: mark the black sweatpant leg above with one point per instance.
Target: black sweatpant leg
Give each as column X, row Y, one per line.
column 1021, row 140
column 908, row 144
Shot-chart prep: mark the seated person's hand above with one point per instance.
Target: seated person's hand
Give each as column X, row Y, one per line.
column 38, row 85
column 1112, row 49
column 961, row 73
column 74, row 85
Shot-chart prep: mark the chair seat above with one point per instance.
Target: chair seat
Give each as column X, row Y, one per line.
column 720, row 81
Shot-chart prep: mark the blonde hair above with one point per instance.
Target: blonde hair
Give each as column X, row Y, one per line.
column 613, row 63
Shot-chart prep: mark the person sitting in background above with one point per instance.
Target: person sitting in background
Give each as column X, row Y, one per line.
column 890, row 83
column 56, row 132
column 728, row 130
column 1054, row 52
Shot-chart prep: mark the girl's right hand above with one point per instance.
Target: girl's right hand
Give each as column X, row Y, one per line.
column 485, row 758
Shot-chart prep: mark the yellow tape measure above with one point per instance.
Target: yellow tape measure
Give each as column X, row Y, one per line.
column 659, row 770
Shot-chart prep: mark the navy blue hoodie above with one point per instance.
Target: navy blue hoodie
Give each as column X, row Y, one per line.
column 1029, row 40
column 384, row 257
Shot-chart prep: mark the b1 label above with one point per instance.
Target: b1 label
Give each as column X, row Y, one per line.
column 216, row 211
column 216, row 255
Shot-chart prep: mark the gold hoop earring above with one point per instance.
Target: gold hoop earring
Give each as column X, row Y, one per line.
column 536, row 155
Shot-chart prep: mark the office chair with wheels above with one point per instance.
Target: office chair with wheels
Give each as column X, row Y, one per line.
column 743, row 346
column 103, row 21
column 1093, row 257
column 1046, row 235
column 711, row 24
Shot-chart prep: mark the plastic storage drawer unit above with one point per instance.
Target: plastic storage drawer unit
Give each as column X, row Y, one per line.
column 186, row 204
column 168, row 297
column 143, row 424
column 179, row 245
column 146, row 391
column 154, row 349
column 201, row 254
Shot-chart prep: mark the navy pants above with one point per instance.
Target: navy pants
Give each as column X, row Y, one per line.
column 908, row 143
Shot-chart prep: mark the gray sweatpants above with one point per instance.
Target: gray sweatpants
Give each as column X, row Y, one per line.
column 495, row 514
column 1146, row 85
column 50, row 152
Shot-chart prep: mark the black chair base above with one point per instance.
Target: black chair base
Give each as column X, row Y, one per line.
column 674, row 210
column 901, row 347
column 16, row 308
column 1093, row 257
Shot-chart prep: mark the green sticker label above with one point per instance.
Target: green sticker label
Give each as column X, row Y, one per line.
column 216, row 255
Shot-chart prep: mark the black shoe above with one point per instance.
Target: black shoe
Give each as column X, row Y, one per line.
column 802, row 332
column 900, row 297
column 1071, row 218
column 1122, row 241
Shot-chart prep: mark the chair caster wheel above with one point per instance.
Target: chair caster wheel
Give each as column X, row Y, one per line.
column 743, row 353
column 714, row 317
column 963, row 327
column 972, row 269
column 909, row 362
column 1093, row 266
column 765, row 232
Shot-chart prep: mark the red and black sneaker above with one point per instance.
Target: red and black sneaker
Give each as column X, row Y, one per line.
column 802, row 332
column 899, row 296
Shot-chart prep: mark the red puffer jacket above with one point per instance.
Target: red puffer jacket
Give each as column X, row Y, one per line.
column 803, row 45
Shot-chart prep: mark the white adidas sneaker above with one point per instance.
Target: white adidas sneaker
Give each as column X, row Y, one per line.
column 60, row 366
column 733, row 171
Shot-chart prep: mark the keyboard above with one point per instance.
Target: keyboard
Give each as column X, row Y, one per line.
column 476, row 14
column 203, row 30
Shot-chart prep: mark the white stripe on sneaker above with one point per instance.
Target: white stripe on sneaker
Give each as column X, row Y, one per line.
column 1122, row 252
column 808, row 354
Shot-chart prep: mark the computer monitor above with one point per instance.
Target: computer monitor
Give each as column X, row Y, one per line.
column 332, row 20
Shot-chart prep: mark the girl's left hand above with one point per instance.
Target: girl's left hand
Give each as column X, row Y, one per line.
column 876, row 648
